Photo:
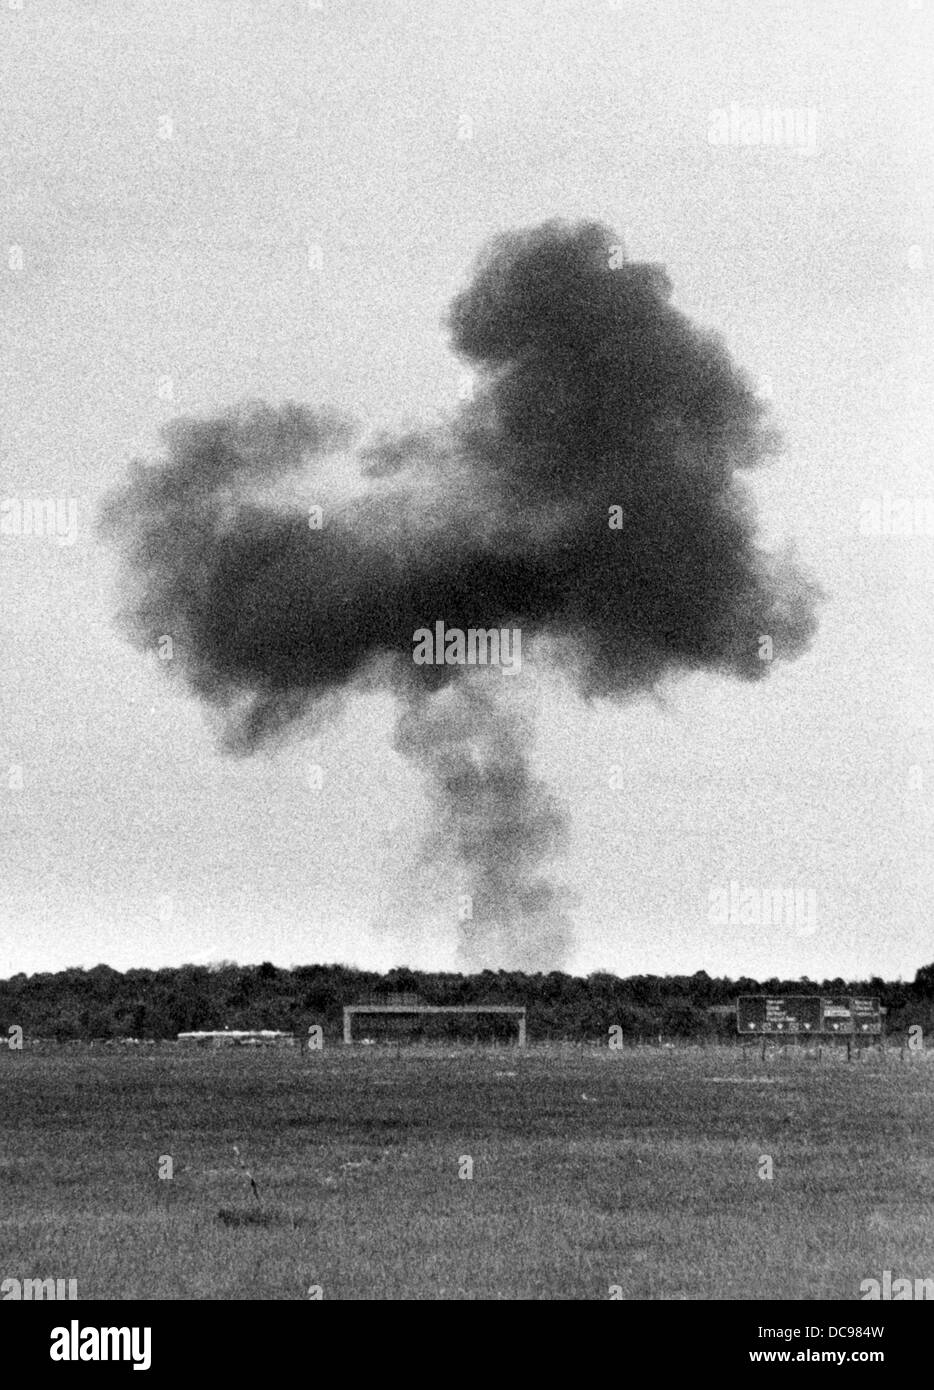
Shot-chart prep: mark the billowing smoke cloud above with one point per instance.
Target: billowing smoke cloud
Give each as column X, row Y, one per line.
column 591, row 492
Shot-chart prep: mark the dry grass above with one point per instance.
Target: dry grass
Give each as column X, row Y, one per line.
column 590, row 1169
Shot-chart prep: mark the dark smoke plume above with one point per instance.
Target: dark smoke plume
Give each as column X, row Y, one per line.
column 498, row 821
column 592, row 393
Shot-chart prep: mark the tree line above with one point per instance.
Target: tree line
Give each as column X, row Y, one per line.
column 78, row 1004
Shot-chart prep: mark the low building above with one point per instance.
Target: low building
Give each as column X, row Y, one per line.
column 239, row 1037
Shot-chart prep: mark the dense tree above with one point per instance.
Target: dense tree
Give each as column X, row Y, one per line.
column 103, row 1003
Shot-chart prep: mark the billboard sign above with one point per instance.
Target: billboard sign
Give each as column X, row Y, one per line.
column 789, row 1013
column 867, row 1015
column 758, row 1014
column 836, row 1015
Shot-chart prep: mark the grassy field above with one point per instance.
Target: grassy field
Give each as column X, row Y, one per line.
column 591, row 1168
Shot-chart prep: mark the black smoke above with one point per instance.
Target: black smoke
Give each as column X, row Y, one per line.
column 495, row 819
column 595, row 398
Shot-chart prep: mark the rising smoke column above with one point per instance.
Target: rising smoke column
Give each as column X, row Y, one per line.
column 496, row 818
column 593, row 393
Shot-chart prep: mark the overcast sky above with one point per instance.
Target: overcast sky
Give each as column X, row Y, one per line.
column 205, row 202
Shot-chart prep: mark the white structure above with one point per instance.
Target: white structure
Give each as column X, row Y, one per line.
column 231, row 1037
